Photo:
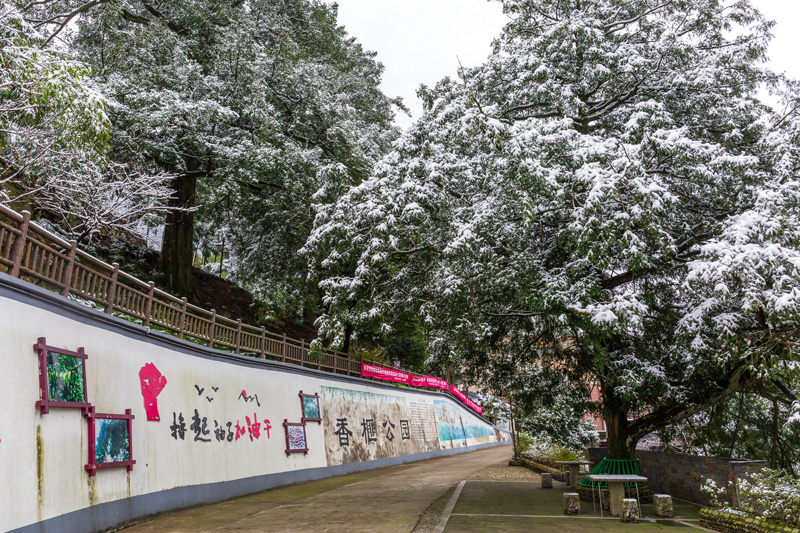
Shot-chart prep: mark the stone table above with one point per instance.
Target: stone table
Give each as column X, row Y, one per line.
column 616, row 490
column 574, row 470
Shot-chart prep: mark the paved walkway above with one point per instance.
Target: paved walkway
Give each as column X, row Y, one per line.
column 517, row 506
column 389, row 499
column 472, row 492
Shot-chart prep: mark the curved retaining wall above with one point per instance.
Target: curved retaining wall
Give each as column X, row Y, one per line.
column 206, row 426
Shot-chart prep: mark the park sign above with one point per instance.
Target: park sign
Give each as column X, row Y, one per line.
column 398, row 376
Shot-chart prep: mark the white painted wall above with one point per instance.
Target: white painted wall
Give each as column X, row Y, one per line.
column 37, row 485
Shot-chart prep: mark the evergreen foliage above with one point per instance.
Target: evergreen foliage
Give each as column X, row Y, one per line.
column 608, row 192
column 54, row 132
column 254, row 108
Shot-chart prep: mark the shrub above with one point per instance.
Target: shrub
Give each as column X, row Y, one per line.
column 525, row 442
column 770, row 495
column 542, row 450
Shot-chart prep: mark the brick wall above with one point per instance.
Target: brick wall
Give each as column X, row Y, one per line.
column 682, row 475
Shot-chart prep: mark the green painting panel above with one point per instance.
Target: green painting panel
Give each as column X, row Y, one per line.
column 65, row 378
column 112, row 441
column 311, row 407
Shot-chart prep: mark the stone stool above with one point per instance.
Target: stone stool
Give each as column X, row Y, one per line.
column 663, row 505
column 572, row 503
column 605, row 497
column 630, row 510
column 547, row 481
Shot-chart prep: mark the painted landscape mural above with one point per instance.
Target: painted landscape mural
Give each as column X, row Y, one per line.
column 362, row 426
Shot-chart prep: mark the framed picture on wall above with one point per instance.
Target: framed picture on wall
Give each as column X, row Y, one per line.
column 62, row 377
column 295, row 437
column 110, row 443
column 310, row 405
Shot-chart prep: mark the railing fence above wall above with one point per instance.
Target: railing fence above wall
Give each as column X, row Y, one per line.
column 30, row 252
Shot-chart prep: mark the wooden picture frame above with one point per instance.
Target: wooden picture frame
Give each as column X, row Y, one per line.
column 296, row 438
column 105, row 431
column 309, row 404
column 62, row 377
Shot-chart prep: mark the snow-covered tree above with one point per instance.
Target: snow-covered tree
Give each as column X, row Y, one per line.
column 53, row 139
column 743, row 426
column 255, row 107
column 608, row 186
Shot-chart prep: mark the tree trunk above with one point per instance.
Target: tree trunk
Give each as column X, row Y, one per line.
column 348, row 334
column 775, row 435
column 221, row 257
column 621, row 441
column 514, row 432
column 736, row 426
column 621, row 444
column 177, row 245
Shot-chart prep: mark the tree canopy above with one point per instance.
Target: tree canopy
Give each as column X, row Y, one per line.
column 54, row 132
column 608, row 193
column 251, row 108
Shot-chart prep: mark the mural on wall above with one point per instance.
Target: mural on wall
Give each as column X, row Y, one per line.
column 363, row 426
column 152, row 382
column 454, row 428
column 110, row 443
column 208, row 405
column 62, row 377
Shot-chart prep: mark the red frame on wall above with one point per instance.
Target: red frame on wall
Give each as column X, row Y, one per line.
column 303, row 408
column 45, row 403
column 92, row 466
column 286, row 426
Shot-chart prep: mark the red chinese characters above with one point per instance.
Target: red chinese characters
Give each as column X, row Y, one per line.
column 254, row 427
column 241, row 430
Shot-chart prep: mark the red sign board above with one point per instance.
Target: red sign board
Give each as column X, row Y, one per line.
column 384, row 374
column 463, row 397
column 398, row 376
column 429, row 381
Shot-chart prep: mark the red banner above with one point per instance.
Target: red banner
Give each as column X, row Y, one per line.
column 429, row 381
column 464, row 398
column 398, row 376
column 384, row 374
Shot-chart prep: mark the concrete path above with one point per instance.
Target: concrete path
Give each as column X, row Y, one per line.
column 388, row 499
column 492, row 500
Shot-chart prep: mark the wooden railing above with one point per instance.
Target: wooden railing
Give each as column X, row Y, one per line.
column 32, row 253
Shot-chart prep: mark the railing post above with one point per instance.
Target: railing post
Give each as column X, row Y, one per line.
column 182, row 322
column 112, row 289
column 211, row 328
column 238, row 342
column 262, row 343
column 283, row 347
column 148, row 307
column 67, row 279
column 19, row 244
